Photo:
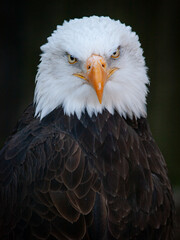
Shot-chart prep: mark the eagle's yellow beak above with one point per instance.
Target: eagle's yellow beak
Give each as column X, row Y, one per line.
column 96, row 74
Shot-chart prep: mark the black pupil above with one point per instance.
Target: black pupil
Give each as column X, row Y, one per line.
column 114, row 53
column 72, row 58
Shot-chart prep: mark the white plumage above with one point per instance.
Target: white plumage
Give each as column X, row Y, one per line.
column 125, row 91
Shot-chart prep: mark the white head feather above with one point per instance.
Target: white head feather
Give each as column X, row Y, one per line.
column 125, row 91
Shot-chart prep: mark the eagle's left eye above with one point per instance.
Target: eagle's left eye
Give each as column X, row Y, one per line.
column 71, row 59
column 116, row 53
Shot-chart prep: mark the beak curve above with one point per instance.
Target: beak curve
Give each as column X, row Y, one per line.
column 97, row 74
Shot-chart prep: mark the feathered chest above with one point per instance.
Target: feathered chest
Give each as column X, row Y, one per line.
column 89, row 178
column 106, row 139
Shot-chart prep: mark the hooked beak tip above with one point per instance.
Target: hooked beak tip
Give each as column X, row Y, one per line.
column 97, row 74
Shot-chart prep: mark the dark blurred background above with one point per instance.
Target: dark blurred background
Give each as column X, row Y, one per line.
column 27, row 24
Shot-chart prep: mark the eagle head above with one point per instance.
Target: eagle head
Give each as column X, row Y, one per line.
column 93, row 63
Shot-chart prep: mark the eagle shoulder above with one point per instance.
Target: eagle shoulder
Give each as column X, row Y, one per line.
column 43, row 177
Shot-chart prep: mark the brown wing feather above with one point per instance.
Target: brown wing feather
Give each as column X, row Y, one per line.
column 100, row 177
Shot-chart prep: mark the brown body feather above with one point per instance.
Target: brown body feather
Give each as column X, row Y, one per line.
column 100, row 177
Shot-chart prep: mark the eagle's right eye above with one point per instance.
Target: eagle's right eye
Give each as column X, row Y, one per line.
column 71, row 59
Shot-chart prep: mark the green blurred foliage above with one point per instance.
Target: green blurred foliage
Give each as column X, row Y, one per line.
column 27, row 24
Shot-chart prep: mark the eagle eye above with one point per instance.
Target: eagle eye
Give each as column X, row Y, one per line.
column 116, row 53
column 71, row 59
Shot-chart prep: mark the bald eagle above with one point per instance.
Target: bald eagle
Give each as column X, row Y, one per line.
column 81, row 162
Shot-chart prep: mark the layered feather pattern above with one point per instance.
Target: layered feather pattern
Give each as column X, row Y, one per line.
column 99, row 177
